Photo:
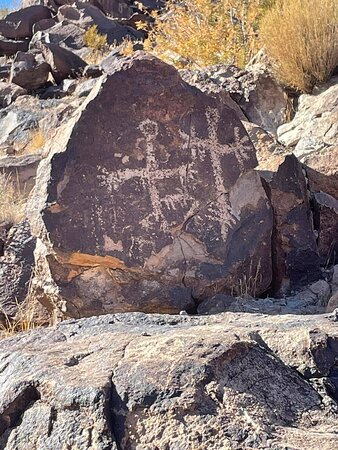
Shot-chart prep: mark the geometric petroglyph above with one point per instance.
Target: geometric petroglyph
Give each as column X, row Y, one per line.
column 199, row 149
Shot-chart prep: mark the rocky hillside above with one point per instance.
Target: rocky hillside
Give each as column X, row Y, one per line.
column 173, row 234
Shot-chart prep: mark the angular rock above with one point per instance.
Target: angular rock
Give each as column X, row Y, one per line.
column 328, row 228
column 167, row 207
column 85, row 15
column 63, row 63
column 240, row 381
column 262, row 100
column 270, row 153
column 22, row 169
column 43, row 25
column 64, row 34
column 9, row 92
column 313, row 133
column 19, row 24
column 217, row 304
column 332, row 303
column 9, row 47
column 295, row 254
column 16, row 266
column 29, row 70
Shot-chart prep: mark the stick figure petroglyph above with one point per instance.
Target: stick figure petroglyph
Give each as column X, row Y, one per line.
column 199, row 149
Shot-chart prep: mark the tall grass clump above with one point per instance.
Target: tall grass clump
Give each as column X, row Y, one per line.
column 12, row 200
column 301, row 38
column 197, row 33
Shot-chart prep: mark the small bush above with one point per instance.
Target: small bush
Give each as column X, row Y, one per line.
column 205, row 32
column 97, row 43
column 301, row 37
column 95, row 40
column 12, row 200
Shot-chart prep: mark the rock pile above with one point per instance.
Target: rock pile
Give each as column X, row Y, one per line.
column 50, row 40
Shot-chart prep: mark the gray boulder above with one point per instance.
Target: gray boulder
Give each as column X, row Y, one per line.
column 313, row 133
column 261, row 99
column 9, row 92
column 29, row 70
column 16, row 266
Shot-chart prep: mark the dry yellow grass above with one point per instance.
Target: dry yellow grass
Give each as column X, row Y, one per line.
column 97, row 43
column 12, row 200
column 27, row 318
column 198, row 33
column 301, row 37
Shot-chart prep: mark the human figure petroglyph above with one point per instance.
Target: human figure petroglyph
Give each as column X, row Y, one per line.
column 199, row 149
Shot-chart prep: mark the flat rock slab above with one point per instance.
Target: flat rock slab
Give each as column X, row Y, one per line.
column 132, row 381
column 148, row 197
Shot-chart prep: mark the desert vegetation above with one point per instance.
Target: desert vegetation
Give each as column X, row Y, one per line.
column 12, row 200
column 198, row 33
column 300, row 36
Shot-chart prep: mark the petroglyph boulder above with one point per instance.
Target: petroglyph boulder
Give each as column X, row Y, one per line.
column 148, row 199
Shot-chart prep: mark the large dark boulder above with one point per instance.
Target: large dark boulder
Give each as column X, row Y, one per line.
column 296, row 259
column 9, row 47
column 148, row 198
column 63, row 63
column 19, row 24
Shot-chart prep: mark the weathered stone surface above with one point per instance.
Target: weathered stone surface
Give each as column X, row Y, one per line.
column 43, row 25
column 16, row 265
column 313, row 133
column 21, row 168
column 19, row 24
column 30, row 117
column 9, row 47
column 63, row 63
column 270, row 153
column 9, row 92
column 131, row 381
column 84, row 15
column 166, row 207
column 295, row 253
column 29, row 70
column 262, row 100
column 65, row 34
column 216, row 304
column 328, row 228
